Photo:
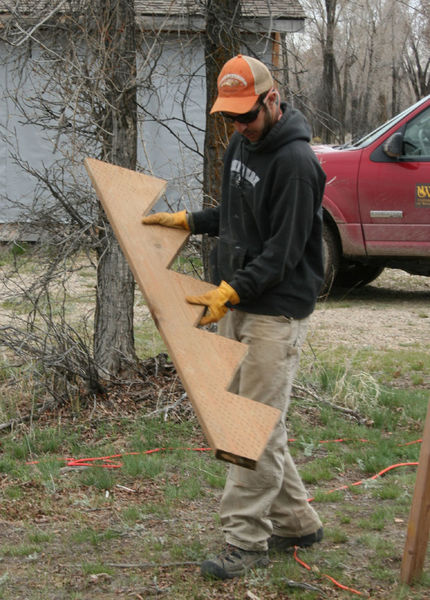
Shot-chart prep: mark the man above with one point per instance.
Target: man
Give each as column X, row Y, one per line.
column 268, row 267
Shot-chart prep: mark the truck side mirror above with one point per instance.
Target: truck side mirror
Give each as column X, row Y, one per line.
column 393, row 146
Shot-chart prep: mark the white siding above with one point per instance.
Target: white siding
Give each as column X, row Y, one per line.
column 170, row 147
column 171, row 138
column 28, row 141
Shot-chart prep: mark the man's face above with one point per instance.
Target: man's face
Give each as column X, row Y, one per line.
column 256, row 129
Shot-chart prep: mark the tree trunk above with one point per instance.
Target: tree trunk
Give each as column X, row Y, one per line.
column 222, row 43
column 114, row 349
column 329, row 66
column 369, row 84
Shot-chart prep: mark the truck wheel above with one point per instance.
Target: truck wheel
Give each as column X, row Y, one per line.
column 356, row 275
column 331, row 259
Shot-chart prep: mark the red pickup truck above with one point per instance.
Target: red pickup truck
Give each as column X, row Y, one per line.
column 377, row 201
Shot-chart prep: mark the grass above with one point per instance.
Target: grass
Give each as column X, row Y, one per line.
column 173, row 535
column 93, row 537
column 156, row 514
column 161, row 507
column 148, row 341
column 96, row 569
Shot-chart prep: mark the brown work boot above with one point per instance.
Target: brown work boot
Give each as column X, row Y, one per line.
column 233, row 562
column 287, row 544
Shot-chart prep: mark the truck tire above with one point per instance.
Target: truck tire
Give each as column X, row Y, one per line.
column 357, row 275
column 331, row 256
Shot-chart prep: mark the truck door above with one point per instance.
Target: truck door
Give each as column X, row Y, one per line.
column 394, row 193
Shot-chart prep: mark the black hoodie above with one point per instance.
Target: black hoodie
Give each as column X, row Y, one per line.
column 269, row 222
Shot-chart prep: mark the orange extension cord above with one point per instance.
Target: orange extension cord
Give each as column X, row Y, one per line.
column 111, row 462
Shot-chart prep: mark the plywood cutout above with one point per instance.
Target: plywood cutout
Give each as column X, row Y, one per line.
column 237, row 428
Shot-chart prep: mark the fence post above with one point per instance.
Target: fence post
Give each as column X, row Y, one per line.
column 419, row 518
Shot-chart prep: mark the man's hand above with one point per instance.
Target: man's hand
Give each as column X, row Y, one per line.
column 178, row 219
column 215, row 300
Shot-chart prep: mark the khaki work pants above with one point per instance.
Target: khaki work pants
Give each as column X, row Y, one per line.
column 271, row 499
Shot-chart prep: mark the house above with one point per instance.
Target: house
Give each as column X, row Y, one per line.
column 171, row 91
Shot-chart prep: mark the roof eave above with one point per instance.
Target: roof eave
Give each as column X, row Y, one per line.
column 198, row 23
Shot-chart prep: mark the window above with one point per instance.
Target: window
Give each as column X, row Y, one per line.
column 416, row 139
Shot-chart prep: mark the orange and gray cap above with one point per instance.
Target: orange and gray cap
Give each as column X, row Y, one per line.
column 241, row 81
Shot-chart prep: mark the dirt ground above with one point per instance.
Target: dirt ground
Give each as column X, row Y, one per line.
column 392, row 312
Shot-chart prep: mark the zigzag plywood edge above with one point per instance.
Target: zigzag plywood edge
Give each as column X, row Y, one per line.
column 237, row 428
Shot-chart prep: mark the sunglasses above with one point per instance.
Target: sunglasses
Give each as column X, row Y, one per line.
column 245, row 117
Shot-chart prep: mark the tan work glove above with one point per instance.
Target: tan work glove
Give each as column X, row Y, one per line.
column 215, row 300
column 178, row 219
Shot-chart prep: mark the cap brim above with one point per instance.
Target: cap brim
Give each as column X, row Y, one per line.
column 234, row 104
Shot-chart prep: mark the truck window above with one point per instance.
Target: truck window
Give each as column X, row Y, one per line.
column 374, row 135
column 416, row 139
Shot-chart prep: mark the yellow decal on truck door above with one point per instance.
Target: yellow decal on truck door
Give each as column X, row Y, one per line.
column 422, row 194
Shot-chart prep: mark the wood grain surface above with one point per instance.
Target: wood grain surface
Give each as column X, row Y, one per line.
column 237, row 428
